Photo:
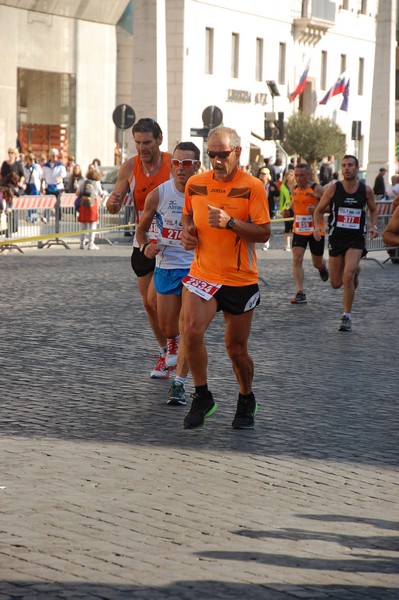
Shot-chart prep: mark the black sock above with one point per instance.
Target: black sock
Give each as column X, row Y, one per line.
column 249, row 396
column 201, row 390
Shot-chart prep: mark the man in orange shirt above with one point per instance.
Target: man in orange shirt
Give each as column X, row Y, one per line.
column 305, row 197
column 225, row 214
column 141, row 174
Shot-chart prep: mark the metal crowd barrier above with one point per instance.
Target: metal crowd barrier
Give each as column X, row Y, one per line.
column 41, row 221
column 384, row 212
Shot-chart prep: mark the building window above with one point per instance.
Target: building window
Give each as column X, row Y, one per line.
column 281, row 63
column 259, row 60
column 363, row 7
column 361, row 77
column 209, row 51
column 235, row 52
column 323, row 70
column 343, row 63
column 345, row 4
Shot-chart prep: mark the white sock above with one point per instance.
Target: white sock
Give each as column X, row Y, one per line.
column 180, row 379
column 345, row 314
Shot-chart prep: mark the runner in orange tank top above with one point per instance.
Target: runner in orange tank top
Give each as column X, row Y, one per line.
column 140, row 175
column 305, row 197
column 225, row 214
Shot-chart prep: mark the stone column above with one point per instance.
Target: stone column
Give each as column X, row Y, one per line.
column 149, row 93
column 382, row 123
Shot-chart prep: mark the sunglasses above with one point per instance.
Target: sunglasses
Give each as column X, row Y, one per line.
column 186, row 162
column 222, row 155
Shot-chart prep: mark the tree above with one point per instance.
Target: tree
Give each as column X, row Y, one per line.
column 313, row 138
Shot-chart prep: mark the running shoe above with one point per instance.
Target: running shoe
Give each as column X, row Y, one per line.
column 356, row 282
column 346, row 323
column 324, row 273
column 176, row 394
column 299, row 298
column 201, row 408
column 247, row 409
column 161, row 371
column 171, row 352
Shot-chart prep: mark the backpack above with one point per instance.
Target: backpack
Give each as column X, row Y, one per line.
column 88, row 196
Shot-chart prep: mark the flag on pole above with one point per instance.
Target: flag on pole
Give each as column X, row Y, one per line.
column 345, row 101
column 337, row 88
column 301, row 85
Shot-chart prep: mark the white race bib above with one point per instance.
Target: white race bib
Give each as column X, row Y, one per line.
column 171, row 236
column 349, row 218
column 304, row 223
column 202, row 288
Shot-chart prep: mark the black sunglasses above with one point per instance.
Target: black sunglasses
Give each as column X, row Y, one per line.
column 186, row 162
column 222, row 155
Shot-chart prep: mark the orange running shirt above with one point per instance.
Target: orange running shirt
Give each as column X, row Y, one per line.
column 143, row 185
column 303, row 221
column 221, row 256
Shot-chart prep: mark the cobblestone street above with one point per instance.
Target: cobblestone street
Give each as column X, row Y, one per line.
column 104, row 495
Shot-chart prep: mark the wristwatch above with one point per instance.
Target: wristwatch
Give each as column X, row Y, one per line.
column 230, row 223
column 143, row 247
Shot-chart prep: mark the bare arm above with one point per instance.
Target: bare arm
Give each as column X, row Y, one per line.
column 391, row 231
column 251, row 232
column 320, row 209
column 121, row 188
column 372, row 212
column 150, row 208
column 189, row 238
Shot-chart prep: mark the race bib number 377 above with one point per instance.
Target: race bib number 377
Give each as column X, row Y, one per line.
column 202, row 288
column 349, row 218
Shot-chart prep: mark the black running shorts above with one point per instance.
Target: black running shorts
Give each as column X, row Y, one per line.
column 237, row 300
column 301, row 241
column 141, row 265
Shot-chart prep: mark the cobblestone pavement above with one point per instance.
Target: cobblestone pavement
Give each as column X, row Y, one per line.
column 104, row 495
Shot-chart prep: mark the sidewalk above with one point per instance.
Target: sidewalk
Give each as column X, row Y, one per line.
column 103, row 494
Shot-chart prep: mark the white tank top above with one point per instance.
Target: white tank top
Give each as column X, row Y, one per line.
column 168, row 219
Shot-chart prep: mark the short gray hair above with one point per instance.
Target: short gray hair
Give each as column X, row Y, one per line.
column 235, row 139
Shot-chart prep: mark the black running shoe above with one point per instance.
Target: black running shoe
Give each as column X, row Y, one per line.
column 201, row 408
column 245, row 413
column 324, row 273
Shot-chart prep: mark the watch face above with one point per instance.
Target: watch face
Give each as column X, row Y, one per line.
column 230, row 223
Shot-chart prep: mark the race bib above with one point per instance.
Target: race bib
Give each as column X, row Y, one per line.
column 349, row 218
column 304, row 223
column 171, row 237
column 153, row 231
column 202, row 288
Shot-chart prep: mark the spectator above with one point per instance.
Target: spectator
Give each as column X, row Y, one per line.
column 393, row 187
column 286, row 210
column 379, row 183
column 326, row 170
column 33, row 175
column 54, row 173
column 97, row 165
column 74, row 180
column 90, row 191
column 12, row 165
